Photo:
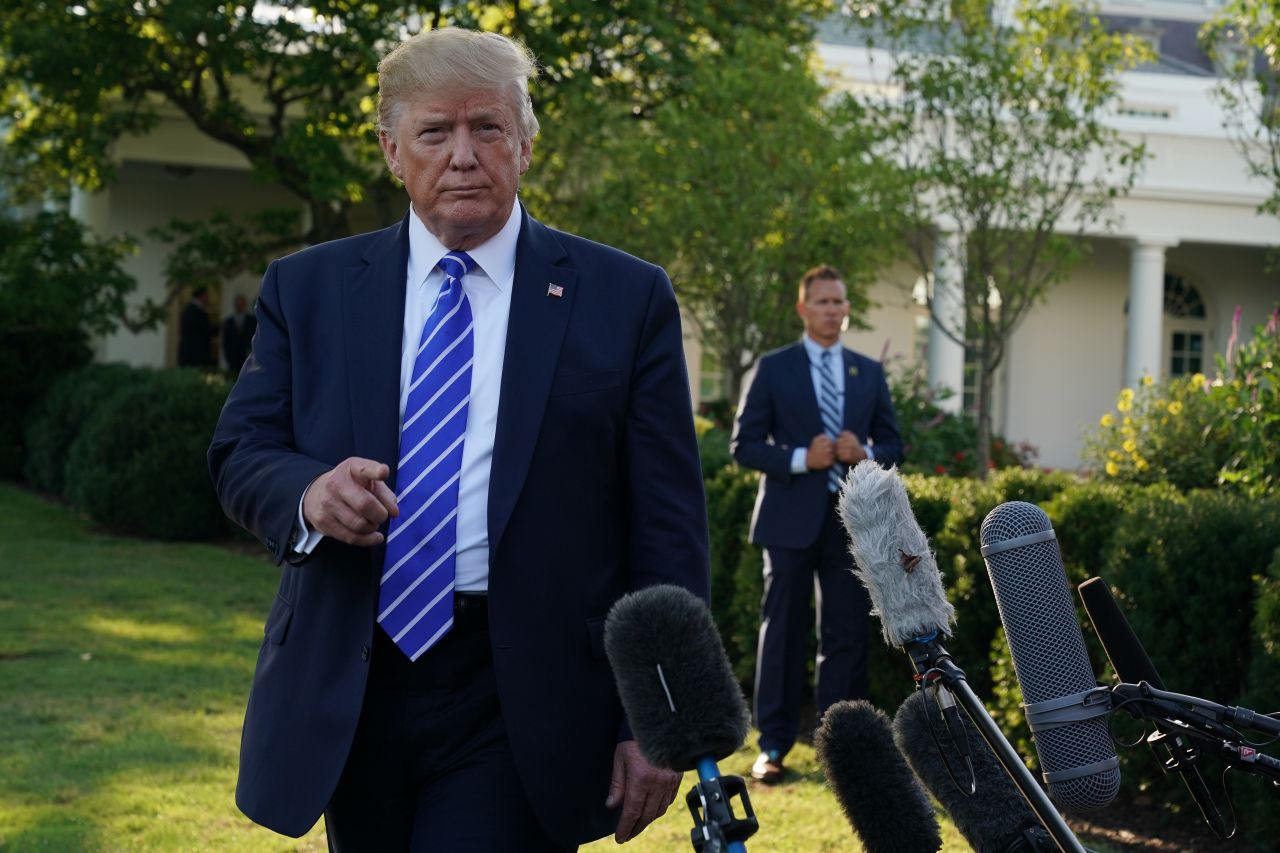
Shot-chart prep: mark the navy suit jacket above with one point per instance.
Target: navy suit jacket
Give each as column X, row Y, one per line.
column 778, row 413
column 595, row 491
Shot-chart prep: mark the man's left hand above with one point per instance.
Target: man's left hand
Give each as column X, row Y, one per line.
column 644, row 791
column 849, row 448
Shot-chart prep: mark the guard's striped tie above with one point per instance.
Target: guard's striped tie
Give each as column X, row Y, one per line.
column 415, row 601
column 829, row 405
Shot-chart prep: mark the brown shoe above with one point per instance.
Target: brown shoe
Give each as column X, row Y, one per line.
column 768, row 768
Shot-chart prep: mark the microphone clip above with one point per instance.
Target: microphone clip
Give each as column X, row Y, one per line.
column 715, row 826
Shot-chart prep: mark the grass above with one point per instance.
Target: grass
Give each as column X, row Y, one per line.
column 124, row 667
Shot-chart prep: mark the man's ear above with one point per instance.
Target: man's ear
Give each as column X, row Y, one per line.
column 390, row 151
column 526, row 154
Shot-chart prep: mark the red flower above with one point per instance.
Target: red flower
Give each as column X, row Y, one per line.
column 959, row 455
column 938, row 469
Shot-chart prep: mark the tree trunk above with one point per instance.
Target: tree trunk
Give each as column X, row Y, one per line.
column 982, row 453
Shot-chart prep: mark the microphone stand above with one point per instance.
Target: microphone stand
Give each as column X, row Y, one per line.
column 1204, row 722
column 929, row 656
column 716, row 829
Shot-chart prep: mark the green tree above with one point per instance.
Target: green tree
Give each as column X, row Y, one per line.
column 290, row 86
column 998, row 122
column 1244, row 40
column 739, row 183
column 58, row 287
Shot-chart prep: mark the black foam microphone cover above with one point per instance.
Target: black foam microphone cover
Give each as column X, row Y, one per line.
column 993, row 819
column 673, row 677
column 880, row 795
column 1065, row 708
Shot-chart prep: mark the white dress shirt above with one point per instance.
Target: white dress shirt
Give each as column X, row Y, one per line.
column 814, row 350
column 488, row 289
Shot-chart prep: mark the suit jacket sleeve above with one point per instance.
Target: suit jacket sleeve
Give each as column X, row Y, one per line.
column 668, row 511
column 258, row 474
column 751, row 443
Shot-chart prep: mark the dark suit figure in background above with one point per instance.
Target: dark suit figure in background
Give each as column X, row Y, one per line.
column 464, row 437
column 810, row 410
column 195, row 332
column 237, row 334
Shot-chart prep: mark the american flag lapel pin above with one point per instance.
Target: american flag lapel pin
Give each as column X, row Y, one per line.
column 555, row 290
column 853, row 370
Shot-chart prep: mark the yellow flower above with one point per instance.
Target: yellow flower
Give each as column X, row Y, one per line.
column 1106, row 420
column 1115, row 455
column 1160, row 404
column 1112, row 469
column 1175, row 408
column 1130, row 446
column 1126, row 394
column 1140, row 463
column 1127, row 422
column 1147, row 380
column 1197, row 381
column 1123, row 404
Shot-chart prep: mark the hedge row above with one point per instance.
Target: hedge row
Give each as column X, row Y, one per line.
column 127, row 446
column 1197, row 574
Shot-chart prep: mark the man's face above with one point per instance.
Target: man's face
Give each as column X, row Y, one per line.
column 460, row 159
column 824, row 310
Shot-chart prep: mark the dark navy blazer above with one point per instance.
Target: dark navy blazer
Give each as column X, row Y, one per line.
column 778, row 413
column 595, row 491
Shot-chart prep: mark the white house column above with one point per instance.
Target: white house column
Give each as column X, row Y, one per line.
column 1146, row 310
column 92, row 209
column 946, row 357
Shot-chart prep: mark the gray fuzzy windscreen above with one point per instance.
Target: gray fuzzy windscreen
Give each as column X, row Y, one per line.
column 693, row 708
column 892, row 555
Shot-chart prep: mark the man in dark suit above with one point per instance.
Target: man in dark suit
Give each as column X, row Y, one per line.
column 237, row 334
column 810, row 410
column 476, row 405
column 195, row 332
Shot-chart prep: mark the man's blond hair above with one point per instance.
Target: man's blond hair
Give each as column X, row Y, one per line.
column 454, row 61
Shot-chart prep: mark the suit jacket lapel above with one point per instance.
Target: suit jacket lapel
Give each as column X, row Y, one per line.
column 801, row 374
column 373, row 324
column 535, row 330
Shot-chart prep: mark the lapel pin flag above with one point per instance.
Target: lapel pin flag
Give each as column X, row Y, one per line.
column 853, row 370
column 555, row 290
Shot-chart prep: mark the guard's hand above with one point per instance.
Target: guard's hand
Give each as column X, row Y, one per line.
column 644, row 791
column 351, row 501
column 821, row 454
column 849, row 448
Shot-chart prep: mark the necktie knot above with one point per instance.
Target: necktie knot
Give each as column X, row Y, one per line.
column 456, row 264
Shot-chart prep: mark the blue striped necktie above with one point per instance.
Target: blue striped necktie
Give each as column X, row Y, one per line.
column 415, row 600
column 829, row 405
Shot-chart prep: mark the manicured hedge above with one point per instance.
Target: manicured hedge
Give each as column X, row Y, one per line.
column 138, row 464
column 59, row 416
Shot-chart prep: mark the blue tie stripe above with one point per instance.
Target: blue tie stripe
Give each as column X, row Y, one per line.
column 829, row 407
column 415, row 600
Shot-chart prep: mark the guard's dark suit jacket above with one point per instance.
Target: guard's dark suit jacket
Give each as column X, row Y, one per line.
column 195, row 337
column 596, row 490
column 778, row 413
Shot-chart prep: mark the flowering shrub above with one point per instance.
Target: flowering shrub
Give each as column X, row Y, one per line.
column 1194, row 432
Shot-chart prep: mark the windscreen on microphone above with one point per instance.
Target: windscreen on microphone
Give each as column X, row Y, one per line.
column 1064, row 705
column 883, row 800
column 673, row 677
column 995, row 818
column 892, row 556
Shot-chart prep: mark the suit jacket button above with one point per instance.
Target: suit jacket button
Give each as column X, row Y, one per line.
column 364, row 652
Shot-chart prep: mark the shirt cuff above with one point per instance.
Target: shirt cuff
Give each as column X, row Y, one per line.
column 307, row 539
column 797, row 460
column 870, row 451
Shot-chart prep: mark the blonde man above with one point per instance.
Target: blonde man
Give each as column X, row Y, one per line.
column 464, row 437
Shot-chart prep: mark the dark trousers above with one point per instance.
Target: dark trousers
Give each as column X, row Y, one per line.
column 431, row 768
column 791, row 577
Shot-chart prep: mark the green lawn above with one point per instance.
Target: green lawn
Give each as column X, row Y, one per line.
column 124, row 666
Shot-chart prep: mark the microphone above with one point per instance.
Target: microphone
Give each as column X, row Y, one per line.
column 683, row 704
column 1132, row 665
column 894, row 563
column 1064, row 705
column 889, row 811
column 892, row 557
column 994, row 819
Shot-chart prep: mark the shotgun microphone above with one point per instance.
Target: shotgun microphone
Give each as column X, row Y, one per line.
column 1064, row 705
column 889, row 811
